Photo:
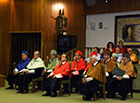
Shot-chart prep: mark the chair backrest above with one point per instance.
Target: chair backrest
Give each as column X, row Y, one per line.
column 136, row 51
column 103, row 73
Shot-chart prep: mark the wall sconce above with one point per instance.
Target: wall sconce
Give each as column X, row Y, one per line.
column 58, row 6
column 107, row 1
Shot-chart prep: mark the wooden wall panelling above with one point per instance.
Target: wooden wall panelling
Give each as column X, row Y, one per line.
column 26, row 15
column 137, row 5
column 47, row 26
column 128, row 5
column 113, row 6
column 74, row 12
column 76, row 20
column 4, row 37
column 35, row 15
column 116, row 6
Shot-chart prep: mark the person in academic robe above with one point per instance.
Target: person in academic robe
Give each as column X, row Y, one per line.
column 21, row 66
column 97, row 50
column 94, row 75
column 34, row 70
column 115, row 58
column 110, row 65
column 89, row 64
column 122, row 84
column 123, row 49
column 78, row 66
column 53, row 62
column 133, row 56
column 61, row 72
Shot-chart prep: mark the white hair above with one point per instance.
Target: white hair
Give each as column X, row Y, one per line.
column 95, row 57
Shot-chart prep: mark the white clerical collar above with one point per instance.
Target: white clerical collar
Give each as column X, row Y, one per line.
column 95, row 63
column 107, row 60
column 77, row 60
column 36, row 59
column 63, row 62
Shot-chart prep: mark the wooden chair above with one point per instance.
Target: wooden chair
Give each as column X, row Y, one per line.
column 65, row 82
column 131, row 92
column 101, row 85
column 62, row 86
column 34, row 83
column 36, row 80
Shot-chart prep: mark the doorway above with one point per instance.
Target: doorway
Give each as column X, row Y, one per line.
column 24, row 42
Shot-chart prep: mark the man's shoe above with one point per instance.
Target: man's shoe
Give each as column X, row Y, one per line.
column 17, row 89
column 54, row 94
column 123, row 98
column 11, row 87
column 110, row 96
column 47, row 94
column 38, row 88
column 25, row 91
column 86, row 98
column 20, row 91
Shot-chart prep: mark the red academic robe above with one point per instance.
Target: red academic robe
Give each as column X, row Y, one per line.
column 80, row 65
column 113, row 49
column 89, row 64
column 123, row 49
column 65, row 69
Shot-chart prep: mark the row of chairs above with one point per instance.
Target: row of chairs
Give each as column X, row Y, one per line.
column 101, row 85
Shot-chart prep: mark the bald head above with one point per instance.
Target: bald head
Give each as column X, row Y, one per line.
column 36, row 54
column 130, row 51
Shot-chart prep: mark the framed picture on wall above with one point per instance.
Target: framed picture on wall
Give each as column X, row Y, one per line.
column 127, row 29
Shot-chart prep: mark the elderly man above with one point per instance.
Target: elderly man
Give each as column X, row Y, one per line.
column 115, row 58
column 34, row 69
column 78, row 67
column 61, row 72
column 133, row 56
column 92, row 78
column 19, row 69
column 53, row 62
column 122, row 83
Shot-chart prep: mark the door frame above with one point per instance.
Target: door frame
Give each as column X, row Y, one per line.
column 42, row 42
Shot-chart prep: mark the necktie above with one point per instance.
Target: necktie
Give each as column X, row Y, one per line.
column 60, row 65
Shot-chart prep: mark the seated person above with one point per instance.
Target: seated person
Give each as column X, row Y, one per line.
column 97, row 50
column 115, row 58
column 78, row 66
column 110, row 65
column 34, row 70
column 118, row 51
column 110, row 47
column 53, row 62
column 61, row 72
column 122, row 84
column 89, row 64
column 18, row 69
column 92, row 78
column 109, row 62
column 123, row 49
column 133, row 56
